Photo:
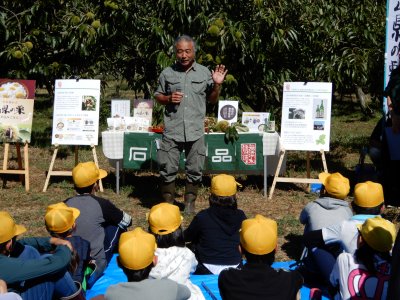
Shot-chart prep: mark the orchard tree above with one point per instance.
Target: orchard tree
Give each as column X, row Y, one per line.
column 262, row 43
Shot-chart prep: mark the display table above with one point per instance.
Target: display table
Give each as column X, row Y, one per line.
column 253, row 153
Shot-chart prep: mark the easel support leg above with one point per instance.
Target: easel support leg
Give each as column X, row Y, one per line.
column 277, row 172
column 97, row 164
column 53, row 159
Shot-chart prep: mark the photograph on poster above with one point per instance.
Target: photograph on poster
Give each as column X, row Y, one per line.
column 297, row 113
column 13, row 89
column 89, row 103
column 318, row 109
column 319, row 125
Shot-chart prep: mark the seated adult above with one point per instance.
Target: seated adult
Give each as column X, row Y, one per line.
column 257, row 279
column 136, row 259
column 100, row 221
column 28, row 273
column 368, row 202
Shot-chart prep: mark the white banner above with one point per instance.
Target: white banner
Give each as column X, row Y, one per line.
column 392, row 40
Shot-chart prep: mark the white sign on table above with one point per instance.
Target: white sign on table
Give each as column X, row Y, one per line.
column 76, row 112
column 253, row 120
column 120, row 108
column 228, row 110
column 306, row 116
column 143, row 108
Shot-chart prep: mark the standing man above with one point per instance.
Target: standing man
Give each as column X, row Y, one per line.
column 184, row 88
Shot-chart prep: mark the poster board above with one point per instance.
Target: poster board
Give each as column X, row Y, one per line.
column 120, row 108
column 16, row 110
column 143, row 108
column 16, row 116
column 253, row 120
column 305, row 124
column 228, row 110
column 306, row 116
column 76, row 112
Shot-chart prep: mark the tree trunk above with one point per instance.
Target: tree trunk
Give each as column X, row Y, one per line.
column 363, row 103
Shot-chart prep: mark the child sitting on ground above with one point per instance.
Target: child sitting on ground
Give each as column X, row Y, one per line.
column 60, row 223
column 366, row 274
column 330, row 208
column 214, row 232
column 136, row 259
column 175, row 261
column 257, row 279
column 27, row 271
column 368, row 203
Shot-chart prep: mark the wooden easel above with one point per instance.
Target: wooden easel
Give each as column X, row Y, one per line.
column 277, row 178
column 68, row 173
column 20, row 170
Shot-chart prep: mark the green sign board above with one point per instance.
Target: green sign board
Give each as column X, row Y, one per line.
column 246, row 154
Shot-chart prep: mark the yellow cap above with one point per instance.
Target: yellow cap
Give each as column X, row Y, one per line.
column 368, row 194
column 60, row 218
column 164, row 218
column 224, row 185
column 136, row 249
column 378, row 233
column 87, row 173
column 8, row 228
column 335, row 184
column 259, row 235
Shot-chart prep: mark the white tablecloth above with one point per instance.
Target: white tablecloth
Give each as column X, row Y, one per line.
column 271, row 149
column 113, row 144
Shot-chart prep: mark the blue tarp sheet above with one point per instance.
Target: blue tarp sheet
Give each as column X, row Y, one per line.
column 207, row 283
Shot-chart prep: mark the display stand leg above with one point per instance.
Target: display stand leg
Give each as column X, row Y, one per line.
column 295, row 180
column 24, row 173
column 19, row 161
column 67, row 173
column 277, row 172
column 97, row 164
column 5, row 160
column 50, row 172
column 265, row 176
column 324, row 161
column 117, row 176
column 26, row 164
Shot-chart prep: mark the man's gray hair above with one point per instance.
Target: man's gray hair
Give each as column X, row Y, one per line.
column 185, row 38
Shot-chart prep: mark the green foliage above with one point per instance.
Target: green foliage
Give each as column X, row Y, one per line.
column 263, row 44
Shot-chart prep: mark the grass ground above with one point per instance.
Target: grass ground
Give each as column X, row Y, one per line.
column 349, row 132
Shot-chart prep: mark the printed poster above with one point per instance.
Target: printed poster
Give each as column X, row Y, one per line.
column 76, row 112
column 16, row 110
column 306, row 116
column 120, row 108
column 228, row 110
column 253, row 120
column 143, row 108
